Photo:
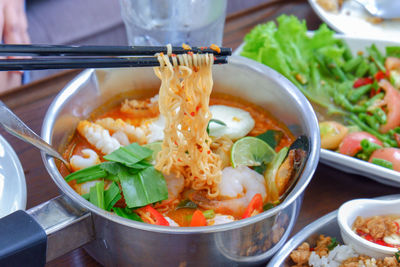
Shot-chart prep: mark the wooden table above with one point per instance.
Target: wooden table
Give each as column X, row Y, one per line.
column 328, row 189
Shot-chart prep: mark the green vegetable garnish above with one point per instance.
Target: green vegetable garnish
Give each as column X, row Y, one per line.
column 397, row 256
column 324, row 70
column 186, row 204
column 271, row 137
column 368, row 148
column 141, row 184
column 111, row 196
column 383, row 163
column 127, row 213
column 129, row 155
column 209, row 214
column 96, row 195
column 214, row 121
column 333, row 243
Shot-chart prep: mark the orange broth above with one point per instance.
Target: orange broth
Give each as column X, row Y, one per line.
column 263, row 121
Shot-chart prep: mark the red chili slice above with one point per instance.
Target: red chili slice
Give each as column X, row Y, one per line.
column 362, row 81
column 379, row 75
column 155, row 215
column 255, row 204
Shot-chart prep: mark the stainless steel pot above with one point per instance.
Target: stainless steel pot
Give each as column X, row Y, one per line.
column 70, row 221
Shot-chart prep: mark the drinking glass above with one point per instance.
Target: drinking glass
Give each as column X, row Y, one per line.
column 160, row 22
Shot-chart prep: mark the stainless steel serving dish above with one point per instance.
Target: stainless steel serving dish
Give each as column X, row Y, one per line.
column 71, row 221
column 326, row 225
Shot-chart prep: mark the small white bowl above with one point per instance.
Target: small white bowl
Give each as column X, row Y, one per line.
column 348, row 213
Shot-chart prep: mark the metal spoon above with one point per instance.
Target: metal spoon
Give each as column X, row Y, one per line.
column 302, row 150
column 385, row 9
column 16, row 127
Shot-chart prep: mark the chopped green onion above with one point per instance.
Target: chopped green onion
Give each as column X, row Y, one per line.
column 383, row 163
column 333, row 243
column 209, row 214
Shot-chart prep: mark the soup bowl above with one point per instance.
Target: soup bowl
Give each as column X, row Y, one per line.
column 70, row 221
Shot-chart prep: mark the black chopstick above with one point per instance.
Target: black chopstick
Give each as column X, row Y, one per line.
column 82, row 63
column 64, row 50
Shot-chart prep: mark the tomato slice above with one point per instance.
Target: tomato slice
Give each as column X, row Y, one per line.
column 255, row 205
column 198, row 219
column 351, row 143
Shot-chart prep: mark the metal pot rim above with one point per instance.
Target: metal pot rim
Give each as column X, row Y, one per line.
column 307, row 174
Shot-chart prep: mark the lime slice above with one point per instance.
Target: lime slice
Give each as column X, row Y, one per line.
column 156, row 147
column 251, row 151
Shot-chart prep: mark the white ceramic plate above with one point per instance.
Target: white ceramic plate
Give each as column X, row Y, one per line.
column 346, row 163
column 352, row 20
column 12, row 180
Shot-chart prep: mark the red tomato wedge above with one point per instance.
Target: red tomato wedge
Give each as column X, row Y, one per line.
column 351, row 143
column 198, row 219
column 390, row 154
column 255, row 205
column 392, row 100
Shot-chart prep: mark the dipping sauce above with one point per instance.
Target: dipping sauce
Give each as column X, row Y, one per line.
column 382, row 230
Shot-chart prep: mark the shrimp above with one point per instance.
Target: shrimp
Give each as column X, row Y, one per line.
column 134, row 134
column 141, row 108
column 175, row 185
column 121, row 137
column 238, row 186
column 155, row 130
column 97, row 136
column 88, row 159
column 220, row 219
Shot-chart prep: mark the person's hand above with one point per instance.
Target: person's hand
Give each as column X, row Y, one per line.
column 13, row 30
column 13, row 22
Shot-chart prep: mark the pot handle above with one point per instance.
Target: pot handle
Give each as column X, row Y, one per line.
column 44, row 232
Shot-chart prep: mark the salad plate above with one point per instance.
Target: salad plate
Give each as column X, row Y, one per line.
column 12, row 180
column 326, row 225
column 346, row 163
column 353, row 20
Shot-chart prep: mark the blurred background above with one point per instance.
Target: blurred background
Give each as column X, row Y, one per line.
column 89, row 22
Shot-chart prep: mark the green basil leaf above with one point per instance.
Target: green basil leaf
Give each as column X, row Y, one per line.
column 86, row 196
column 96, row 195
column 87, row 174
column 146, row 187
column 271, row 137
column 111, row 196
column 129, row 155
column 127, row 213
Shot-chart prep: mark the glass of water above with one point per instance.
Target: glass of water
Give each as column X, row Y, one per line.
column 160, row 22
